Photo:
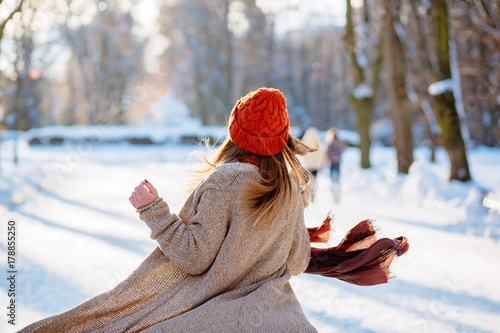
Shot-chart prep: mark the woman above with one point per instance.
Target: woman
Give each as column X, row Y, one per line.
column 223, row 264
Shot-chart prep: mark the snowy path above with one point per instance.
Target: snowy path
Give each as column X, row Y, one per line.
column 80, row 237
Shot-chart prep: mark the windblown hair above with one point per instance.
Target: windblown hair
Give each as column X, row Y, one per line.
column 280, row 178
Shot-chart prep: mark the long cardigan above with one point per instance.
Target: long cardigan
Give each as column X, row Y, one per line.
column 211, row 272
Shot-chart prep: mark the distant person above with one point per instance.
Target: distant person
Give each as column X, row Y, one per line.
column 314, row 161
column 334, row 153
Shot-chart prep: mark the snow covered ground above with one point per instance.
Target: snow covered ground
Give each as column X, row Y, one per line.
column 77, row 234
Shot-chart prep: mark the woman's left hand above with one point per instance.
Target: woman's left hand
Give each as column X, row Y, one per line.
column 143, row 195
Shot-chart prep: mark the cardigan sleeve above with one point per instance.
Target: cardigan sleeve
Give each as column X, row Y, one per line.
column 193, row 244
column 300, row 251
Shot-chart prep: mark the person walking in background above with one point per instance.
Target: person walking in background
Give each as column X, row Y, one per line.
column 223, row 264
column 334, row 153
column 314, row 161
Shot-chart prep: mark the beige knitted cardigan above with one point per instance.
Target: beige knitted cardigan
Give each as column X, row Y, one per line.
column 212, row 271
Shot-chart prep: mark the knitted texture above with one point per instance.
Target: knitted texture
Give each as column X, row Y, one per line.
column 211, row 272
column 259, row 122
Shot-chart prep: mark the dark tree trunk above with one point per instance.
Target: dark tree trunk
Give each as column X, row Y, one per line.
column 363, row 107
column 423, row 54
column 444, row 104
column 363, row 111
column 395, row 85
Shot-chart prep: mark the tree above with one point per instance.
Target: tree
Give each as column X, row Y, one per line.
column 23, row 106
column 3, row 24
column 444, row 101
column 200, row 56
column 395, row 82
column 478, row 47
column 106, row 61
column 312, row 68
column 255, row 49
column 421, row 72
column 364, row 93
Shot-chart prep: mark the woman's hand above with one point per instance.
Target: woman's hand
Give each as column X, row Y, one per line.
column 143, row 195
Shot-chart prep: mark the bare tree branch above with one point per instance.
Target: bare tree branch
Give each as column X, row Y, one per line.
column 480, row 12
column 483, row 26
column 4, row 23
column 492, row 13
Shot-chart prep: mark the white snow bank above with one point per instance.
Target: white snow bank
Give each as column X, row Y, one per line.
column 169, row 111
column 492, row 200
column 156, row 133
column 426, row 188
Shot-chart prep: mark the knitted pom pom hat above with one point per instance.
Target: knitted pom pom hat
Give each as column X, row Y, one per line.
column 259, row 122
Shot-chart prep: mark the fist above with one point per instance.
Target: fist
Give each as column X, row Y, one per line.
column 143, row 195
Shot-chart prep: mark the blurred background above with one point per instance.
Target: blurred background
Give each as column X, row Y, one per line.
column 405, row 73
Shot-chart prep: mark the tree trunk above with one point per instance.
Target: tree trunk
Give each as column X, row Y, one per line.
column 363, row 112
column 363, row 106
column 427, row 66
column 226, row 67
column 444, row 107
column 427, row 113
column 396, row 91
column 24, row 105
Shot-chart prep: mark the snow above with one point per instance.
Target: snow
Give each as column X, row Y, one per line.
column 170, row 111
column 440, row 87
column 492, row 200
column 362, row 91
column 361, row 58
column 351, row 137
column 79, row 236
column 162, row 128
column 156, row 132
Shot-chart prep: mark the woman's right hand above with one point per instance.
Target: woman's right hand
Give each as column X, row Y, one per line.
column 143, row 195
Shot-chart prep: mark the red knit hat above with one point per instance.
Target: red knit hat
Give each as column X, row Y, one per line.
column 259, row 122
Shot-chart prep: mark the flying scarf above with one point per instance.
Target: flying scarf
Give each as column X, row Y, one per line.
column 360, row 258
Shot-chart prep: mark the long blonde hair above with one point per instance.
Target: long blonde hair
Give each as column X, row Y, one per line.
column 280, row 177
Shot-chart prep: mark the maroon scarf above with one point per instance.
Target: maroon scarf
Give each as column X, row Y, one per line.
column 359, row 258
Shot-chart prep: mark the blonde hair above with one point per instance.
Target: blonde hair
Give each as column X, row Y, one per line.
column 280, row 177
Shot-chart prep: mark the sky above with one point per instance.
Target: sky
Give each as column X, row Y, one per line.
column 310, row 14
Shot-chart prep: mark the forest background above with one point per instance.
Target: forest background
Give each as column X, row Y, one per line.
column 406, row 73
